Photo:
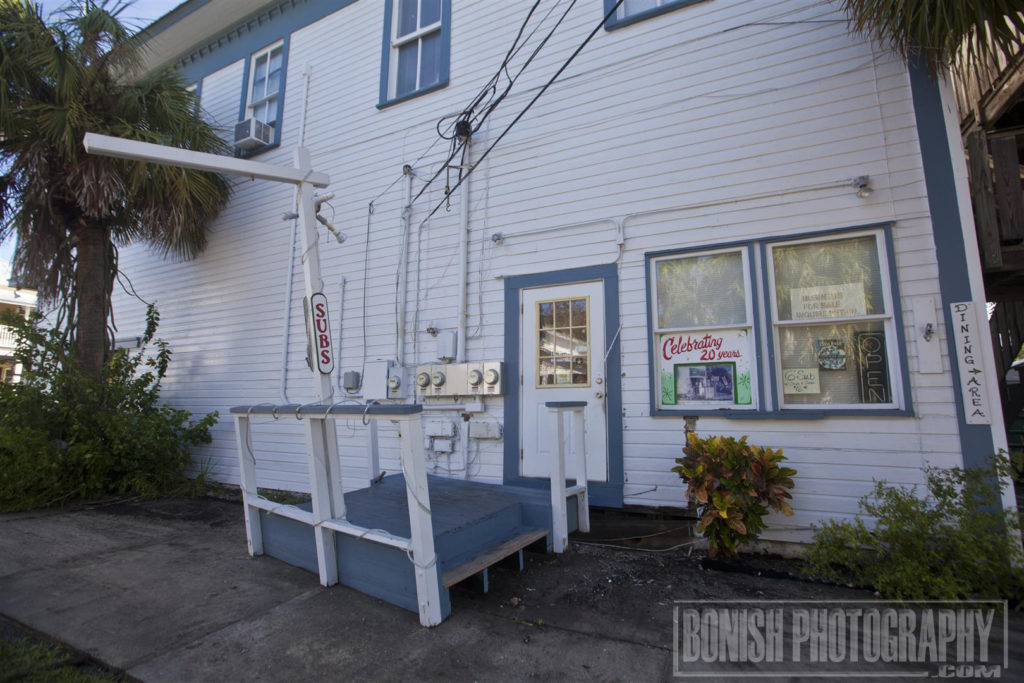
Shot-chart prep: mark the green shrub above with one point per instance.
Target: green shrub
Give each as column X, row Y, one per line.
column 66, row 437
column 734, row 484
column 951, row 545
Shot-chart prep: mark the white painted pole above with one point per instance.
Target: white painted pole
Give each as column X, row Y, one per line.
column 559, row 521
column 247, row 481
column 121, row 148
column 428, row 584
column 579, row 445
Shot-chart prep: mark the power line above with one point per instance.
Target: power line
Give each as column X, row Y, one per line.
column 533, row 101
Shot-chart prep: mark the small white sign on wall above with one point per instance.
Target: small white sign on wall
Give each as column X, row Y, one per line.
column 973, row 378
column 801, row 381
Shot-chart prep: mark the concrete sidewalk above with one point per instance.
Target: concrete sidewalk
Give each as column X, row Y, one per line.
column 165, row 592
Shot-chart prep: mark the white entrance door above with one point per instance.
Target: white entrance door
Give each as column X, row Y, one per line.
column 563, row 347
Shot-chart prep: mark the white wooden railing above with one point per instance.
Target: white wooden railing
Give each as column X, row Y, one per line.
column 572, row 440
column 328, row 515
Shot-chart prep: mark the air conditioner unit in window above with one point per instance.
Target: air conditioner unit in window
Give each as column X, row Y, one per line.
column 253, row 133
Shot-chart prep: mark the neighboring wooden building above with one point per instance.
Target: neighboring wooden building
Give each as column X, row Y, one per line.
column 731, row 211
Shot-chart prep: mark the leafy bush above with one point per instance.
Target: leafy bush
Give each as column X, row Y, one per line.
column 951, row 545
column 67, row 437
column 734, row 485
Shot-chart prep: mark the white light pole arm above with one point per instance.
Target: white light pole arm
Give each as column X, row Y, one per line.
column 121, row 148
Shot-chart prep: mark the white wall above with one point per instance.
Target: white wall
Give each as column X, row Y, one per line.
column 712, row 121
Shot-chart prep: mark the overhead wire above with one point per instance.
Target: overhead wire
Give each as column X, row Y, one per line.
column 522, row 113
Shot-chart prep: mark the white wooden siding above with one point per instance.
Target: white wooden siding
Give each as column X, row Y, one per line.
column 722, row 121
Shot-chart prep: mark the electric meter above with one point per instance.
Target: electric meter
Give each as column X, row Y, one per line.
column 423, row 379
column 475, row 378
column 437, row 378
column 394, row 382
column 492, row 376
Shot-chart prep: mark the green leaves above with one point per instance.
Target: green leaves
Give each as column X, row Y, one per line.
column 950, row 542
column 734, row 485
column 963, row 35
column 67, row 437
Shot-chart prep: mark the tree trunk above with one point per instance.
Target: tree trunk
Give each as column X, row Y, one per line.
column 92, row 272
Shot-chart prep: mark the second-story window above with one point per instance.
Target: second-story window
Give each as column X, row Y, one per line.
column 266, row 76
column 416, row 42
column 630, row 11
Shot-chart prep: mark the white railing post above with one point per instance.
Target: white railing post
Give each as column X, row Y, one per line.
column 428, row 584
column 247, row 480
column 320, row 489
column 577, row 442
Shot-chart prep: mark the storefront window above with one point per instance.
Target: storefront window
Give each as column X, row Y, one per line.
column 832, row 323
column 703, row 333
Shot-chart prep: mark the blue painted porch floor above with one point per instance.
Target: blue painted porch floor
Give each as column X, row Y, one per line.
column 470, row 520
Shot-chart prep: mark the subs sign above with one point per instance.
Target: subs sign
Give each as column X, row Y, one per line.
column 320, row 334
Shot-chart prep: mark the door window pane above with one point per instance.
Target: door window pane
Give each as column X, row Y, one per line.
column 563, row 349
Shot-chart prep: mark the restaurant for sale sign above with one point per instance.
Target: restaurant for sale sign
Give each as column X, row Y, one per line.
column 705, row 369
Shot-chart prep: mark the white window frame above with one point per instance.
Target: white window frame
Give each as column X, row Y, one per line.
column 251, row 104
column 750, row 324
column 400, row 41
column 887, row 318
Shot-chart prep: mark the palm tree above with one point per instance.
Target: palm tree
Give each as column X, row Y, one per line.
column 964, row 35
column 70, row 211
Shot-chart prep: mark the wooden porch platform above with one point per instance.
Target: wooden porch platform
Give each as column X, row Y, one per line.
column 474, row 526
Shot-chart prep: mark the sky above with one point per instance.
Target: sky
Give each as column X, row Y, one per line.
column 140, row 13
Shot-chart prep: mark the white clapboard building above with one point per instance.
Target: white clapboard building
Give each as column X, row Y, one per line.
column 731, row 214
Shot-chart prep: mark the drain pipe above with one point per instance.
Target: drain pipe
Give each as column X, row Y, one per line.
column 289, row 276
column 463, row 131
column 403, row 266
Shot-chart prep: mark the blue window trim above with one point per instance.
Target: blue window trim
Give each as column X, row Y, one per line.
column 285, row 42
column 605, row 494
column 385, row 57
column 769, row 382
column 615, row 23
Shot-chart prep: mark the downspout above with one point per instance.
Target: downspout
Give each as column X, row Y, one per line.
column 460, row 354
column 403, row 266
column 289, row 274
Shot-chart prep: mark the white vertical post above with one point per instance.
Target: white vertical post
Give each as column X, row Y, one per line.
column 374, row 453
column 322, row 438
column 428, row 585
column 579, row 444
column 559, row 521
column 319, row 478
column 247, row 477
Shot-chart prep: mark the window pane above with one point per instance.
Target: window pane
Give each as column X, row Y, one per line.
column 406, row 16
column 274, row 72
column 579, row 312
column 430, row 56
column 630, row 7
column 430, row 12
column 701, row 291
column 834, row 279
column 259, row 78
column 406, row 69
column 546, row 315
column 841, row 363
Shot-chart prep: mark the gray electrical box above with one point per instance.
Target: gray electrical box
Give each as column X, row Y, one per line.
column 382, row 379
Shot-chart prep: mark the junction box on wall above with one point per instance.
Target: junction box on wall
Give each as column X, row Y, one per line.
column 382, row 379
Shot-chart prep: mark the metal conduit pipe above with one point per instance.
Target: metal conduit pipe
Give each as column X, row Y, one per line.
column 403, row 266
column 460, row 353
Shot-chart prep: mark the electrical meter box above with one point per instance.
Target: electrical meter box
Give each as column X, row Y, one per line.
column 460, row 379
column 383, row 379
